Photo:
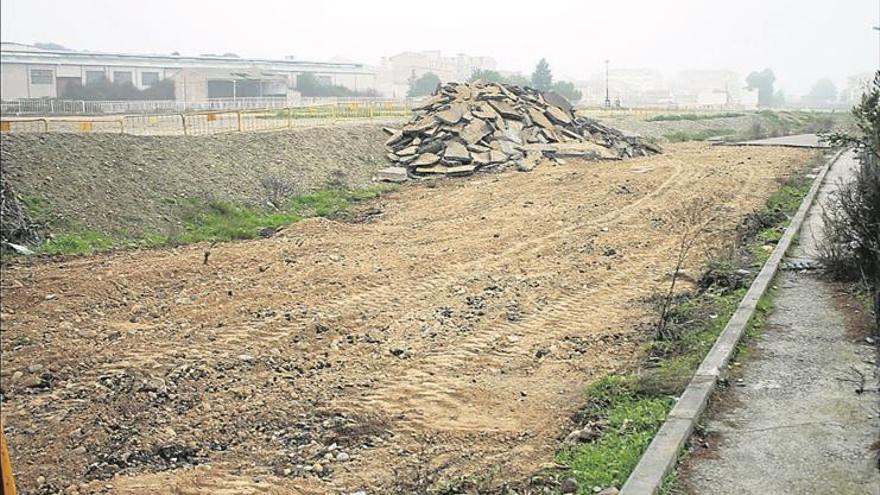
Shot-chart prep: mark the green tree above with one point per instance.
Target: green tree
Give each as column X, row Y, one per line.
column 542, row 78
column 309, row 85
column 763, row 82
column 424, row 85
column 823, row 91
column 567, row 89
column 778, row 98
column 518, row 80
column 485, row 75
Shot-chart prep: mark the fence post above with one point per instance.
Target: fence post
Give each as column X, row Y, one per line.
column 289, row 117
column 183, row 122
column 238, row 117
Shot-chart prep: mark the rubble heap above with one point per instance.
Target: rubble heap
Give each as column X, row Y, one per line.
column 464, row 128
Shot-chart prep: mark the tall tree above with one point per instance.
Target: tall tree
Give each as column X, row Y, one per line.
column 542, row 78
column 763, row 82
column 567, row 89
column 823, row 91
column 424, row 85
column 486, row 75
column 518, row 80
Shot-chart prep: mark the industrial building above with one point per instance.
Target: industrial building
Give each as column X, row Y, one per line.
column 29, row 72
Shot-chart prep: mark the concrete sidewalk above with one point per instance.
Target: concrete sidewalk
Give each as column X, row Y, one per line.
column 794, row 424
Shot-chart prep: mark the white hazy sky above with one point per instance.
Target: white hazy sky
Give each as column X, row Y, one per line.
column 800, row 40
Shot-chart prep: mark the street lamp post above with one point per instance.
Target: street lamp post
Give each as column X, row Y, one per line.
column 607, row 95
column 877, row 28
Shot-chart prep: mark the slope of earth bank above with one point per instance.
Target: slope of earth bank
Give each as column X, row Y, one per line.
column 122, row 183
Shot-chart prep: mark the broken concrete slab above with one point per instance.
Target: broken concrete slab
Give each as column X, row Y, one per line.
column 425, row 159
column 456, row 152
column 440, row 169
column 505, row 109
column 475, row 131
column 557, row 100
column 451, row 115
column 558, row 115
column 392, row 174
column 538, row 118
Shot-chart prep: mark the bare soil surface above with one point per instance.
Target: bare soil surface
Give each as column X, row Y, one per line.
column 111, row 182
column 450, row 335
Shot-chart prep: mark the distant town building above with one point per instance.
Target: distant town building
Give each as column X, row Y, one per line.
column 396, row 71
column 633, row 87
column 30, row 72
column 707, row 88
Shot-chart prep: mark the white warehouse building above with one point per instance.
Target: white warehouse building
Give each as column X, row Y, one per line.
column 28, row 72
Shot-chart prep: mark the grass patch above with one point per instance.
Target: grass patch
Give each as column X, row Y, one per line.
column 37, row 206
column 90, row 242
column 217, row 220
column 225, row 221
column 772, row 123
column 629, row 408
column 631, row 419
column 85, row 242
column 672, row 117
column 703, row 135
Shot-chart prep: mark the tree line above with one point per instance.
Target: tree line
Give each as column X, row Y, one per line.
column 822, row 92
column 541, row 79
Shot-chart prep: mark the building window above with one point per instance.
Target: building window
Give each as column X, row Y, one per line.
column 94, row 77
column 149, row 78
column 41, row 76
column 122, row 77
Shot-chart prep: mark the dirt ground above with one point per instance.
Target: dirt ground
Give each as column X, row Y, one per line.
column 448, row 333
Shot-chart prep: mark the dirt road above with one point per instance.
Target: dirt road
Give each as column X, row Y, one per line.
column 448, row 333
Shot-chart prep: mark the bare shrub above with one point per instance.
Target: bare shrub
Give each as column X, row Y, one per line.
column 16, row 225
column 337, row 179
column 851, row 248
column 277, row 190
column 691, row 225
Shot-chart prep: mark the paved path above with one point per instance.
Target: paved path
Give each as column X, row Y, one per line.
column 792, row 426
column 795, row 141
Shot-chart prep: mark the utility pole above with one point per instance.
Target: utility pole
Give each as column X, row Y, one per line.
column 607, row 95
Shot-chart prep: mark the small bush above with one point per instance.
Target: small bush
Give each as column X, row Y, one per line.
column 851, row 249
column 692, row 116
column 681, row 136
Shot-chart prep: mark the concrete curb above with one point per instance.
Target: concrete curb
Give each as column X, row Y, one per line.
column 662, row 454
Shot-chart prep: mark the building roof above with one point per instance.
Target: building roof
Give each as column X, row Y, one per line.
column 26, row 54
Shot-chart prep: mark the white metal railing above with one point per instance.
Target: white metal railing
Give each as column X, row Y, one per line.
column 46, row 107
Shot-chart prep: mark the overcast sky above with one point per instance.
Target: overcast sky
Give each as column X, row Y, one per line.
column 801, row 40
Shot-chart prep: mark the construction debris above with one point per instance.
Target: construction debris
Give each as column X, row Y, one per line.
column 464, row 128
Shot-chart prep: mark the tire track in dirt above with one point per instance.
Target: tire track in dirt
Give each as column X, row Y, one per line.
column 424, row 390
column 375, row 295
